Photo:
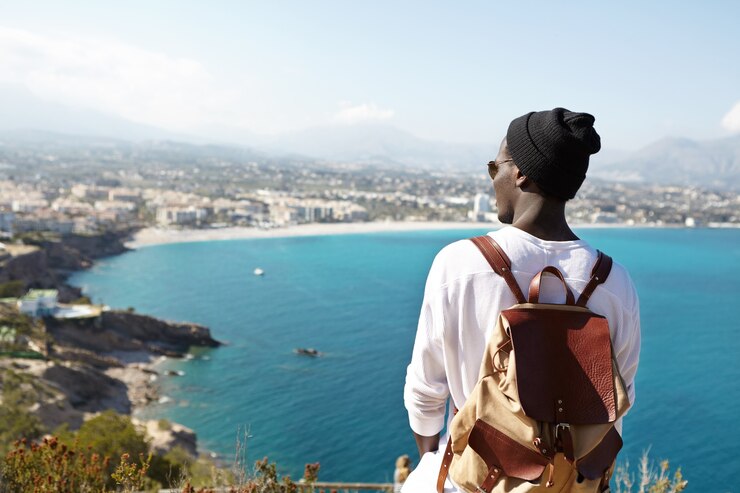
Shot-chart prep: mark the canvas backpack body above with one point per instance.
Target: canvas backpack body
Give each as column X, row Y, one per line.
column 541, row 416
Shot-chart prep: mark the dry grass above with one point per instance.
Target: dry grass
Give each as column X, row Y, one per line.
column 650, row 479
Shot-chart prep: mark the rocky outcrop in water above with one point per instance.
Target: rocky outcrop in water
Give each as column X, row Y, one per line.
column 158, row 334
column 117, row 330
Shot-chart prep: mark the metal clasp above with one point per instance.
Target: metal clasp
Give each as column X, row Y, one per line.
column 561, row 426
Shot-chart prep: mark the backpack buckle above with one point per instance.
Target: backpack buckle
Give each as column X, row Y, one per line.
column 564, row 440
column 561, row 426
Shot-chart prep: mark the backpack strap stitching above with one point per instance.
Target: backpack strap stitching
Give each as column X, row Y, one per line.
column 499, row 262
column 599, row 273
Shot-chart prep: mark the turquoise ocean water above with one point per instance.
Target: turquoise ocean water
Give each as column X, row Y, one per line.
column 356, row 298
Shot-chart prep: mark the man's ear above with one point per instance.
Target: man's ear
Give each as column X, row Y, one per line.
column 521, row 181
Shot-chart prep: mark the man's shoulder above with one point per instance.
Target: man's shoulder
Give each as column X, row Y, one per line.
column 620, row 284
column 462, row 258
column 457, row 260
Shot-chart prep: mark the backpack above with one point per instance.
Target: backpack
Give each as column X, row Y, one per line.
column 541, row 416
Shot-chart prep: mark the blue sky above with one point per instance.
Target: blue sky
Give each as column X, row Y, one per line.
column 449, row 71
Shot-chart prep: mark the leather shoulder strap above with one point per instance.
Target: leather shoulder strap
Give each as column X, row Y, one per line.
column 499, row 262
column 599, row 273
column 444, row 469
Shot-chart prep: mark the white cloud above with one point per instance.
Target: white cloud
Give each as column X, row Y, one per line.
column 731, row 121
column 115, row 78
column 365, row 112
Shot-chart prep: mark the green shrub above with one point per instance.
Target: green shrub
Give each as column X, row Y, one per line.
column 82, row 300
column 23, row 324
column 12, row 289
column 110, row 435
column 37, row 238
column 165, row 470
column 15, row 420
column 17, row 423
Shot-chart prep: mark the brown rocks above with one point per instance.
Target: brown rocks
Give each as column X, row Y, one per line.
column 88, row 390
column 174, row 336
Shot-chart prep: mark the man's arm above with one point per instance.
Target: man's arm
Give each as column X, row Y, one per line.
column 426, row 390
column 426, row 444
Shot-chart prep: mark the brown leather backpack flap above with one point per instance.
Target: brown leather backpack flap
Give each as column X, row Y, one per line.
column 594, row 464
column 563, row 364
column 498, row 450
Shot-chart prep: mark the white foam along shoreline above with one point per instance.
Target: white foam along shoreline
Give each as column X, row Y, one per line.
column 159, row 236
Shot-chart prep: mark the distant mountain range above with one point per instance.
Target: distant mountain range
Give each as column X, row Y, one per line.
column 710, row 164
column 678, row 161
column 21, row 110
column 381, row 145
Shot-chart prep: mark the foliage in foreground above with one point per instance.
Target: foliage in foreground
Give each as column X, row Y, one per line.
column 91, row 461
column 54, row 467
column 109, row 436
column 650, row 480
column 107, row 453
column 264, row 479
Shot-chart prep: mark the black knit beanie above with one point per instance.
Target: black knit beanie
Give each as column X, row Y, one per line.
column 552, row 149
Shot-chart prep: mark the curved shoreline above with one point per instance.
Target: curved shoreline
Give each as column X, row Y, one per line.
column 153, row 236
column 159, row 236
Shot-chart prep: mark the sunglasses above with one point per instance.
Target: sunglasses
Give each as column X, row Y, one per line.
column 493, row 167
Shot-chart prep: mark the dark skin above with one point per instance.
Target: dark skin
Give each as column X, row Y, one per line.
column 524, row 205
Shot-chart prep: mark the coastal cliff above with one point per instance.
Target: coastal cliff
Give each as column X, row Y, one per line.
column 94, row 363
column 46, row 261
column 115, row 331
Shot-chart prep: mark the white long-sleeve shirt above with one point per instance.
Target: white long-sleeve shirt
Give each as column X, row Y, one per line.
column 462, row 301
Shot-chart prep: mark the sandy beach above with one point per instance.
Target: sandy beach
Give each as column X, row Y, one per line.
column 160, row 236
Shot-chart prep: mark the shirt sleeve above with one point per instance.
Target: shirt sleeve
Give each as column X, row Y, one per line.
column 628, row 352
column 426, row 389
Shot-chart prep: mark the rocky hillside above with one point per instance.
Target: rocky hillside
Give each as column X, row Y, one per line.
column 54, row 258
column 92, row 364
column 89, row 368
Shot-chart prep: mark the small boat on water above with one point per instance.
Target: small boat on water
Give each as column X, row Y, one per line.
column 307, row 352
column 259, row 272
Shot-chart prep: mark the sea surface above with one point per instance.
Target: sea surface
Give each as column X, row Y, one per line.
column 356, row 298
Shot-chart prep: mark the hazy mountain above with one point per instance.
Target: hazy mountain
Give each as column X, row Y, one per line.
column 678, row 161
column 21, row 110
column 24, row 117
column 382, row 145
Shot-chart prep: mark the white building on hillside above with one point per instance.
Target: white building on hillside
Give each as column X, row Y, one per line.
column 187, row 215
column 38, row 302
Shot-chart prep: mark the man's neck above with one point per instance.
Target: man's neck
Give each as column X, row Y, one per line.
column 545, row 220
